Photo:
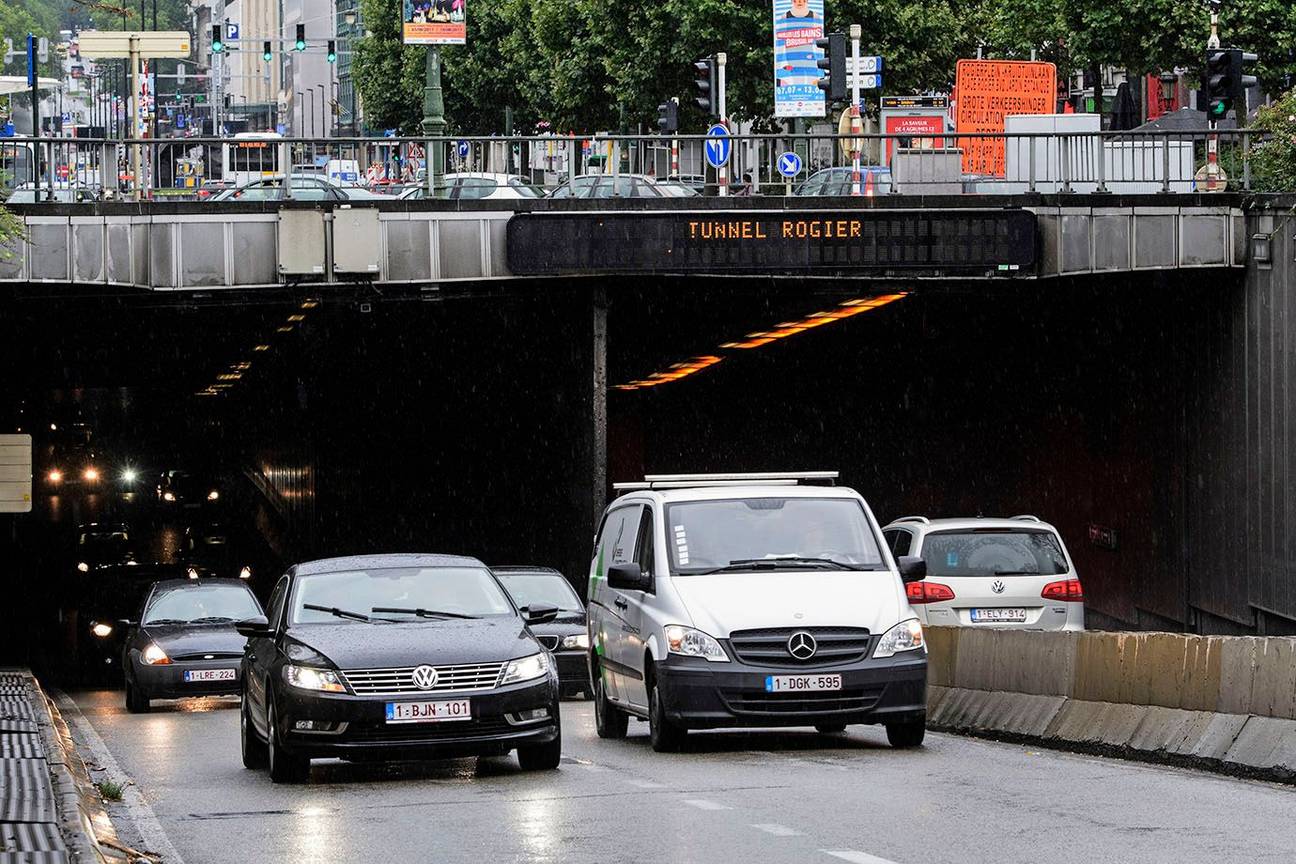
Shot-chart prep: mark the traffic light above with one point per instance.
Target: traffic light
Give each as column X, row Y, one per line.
column 1238, row 61
column 833, row 83
column 1224, row 84
column 705, row 82
column 218, row 38
column 300, row 44
column 668, row 116
column 267, row 53
column 331, row 54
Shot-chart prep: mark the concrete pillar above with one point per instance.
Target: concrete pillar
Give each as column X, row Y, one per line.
column 598, row 413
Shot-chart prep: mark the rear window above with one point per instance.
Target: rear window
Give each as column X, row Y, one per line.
column 993, row 552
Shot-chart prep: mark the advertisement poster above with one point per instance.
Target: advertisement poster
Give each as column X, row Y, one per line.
column 797, row 24
column 435, row 22
column 920, row 131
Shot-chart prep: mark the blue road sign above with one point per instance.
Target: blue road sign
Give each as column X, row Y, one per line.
column 462, row 149
column 31, row 60
column 718, row 145
column 789, row 164
column 232, row 32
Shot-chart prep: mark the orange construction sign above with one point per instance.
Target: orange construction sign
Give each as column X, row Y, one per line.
column 990, row 90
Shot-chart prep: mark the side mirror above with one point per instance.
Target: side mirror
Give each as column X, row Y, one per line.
column 126, row 622
column 254, row 628
column 629, row 577
column 912, row 569
column 539, row 613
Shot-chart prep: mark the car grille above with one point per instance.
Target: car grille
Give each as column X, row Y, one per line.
column 450, row 679
column 209, row 655
column 550, row 642
column 839, row 701
column 422, row 733
column 769, row 647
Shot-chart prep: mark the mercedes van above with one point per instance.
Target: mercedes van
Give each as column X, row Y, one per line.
column 751, row 600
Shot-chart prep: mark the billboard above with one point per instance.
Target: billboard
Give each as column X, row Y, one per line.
column 15, row 473
column 987, row 91
column 797, row 24
column 434, row 22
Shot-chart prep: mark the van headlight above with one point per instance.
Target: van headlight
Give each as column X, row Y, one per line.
column 905, row 636
column 694, row 643
column 308, row 678
column 576, row 640
column 526, row 668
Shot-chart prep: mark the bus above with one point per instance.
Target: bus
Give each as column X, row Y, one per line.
column 250, row 156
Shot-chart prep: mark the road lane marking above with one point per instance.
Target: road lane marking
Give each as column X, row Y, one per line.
column 137, row 809
column 856, row 857
column 777, row 830
column 703, row 804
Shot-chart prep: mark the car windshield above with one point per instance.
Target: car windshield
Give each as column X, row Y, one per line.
column 549, row 589
column 470, row 591
column 201, row 603
column 747, row 533
column 993, row 552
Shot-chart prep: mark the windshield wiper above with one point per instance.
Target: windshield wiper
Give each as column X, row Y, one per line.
column 774, row 563
column 422, row 613
column 211, row 619
column 164, row 621
column 1017, row 573
column 340, row 613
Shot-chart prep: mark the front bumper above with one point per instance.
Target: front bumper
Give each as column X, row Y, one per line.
column 573, row 669
column 167, row 681
column 362, row 731
column 702, row 695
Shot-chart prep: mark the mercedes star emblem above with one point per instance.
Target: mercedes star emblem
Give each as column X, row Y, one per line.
column 997, row 587
column 801, row 645
column 424, row 677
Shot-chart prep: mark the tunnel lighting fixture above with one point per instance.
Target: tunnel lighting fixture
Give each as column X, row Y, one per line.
column 229, row 376
column 207, row 393
column 287, row 328
column 309, row 304
column 242, row 365
column 261, row 348
column 297, row 317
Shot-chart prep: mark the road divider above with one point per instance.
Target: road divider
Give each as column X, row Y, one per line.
column 1225, row 703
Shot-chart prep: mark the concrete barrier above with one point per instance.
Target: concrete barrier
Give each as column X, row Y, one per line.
column 1227, row 703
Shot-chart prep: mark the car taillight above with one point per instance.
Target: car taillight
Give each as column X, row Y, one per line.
column 928, row 592
column 1067, row 590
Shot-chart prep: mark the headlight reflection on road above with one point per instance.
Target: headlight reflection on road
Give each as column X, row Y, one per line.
column 536, row 826
column 312, row 829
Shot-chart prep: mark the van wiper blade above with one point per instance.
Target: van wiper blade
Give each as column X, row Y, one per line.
column 786, row 561
column 422, row 613
column 340, row 613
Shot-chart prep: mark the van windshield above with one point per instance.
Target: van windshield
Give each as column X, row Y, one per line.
column 768, row 533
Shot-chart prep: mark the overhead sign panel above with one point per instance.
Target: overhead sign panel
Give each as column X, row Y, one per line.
column 99, row 44
column 987, row 91
column 435, row 22
column 15, row 473
column 797, row 24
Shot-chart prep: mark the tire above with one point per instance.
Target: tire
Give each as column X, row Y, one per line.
column 254, row 749
column 609, row 721
column 830, row 728
column 904, row 736
column 285, row 767
column 666, row 737
column 541, row 757
column 136, row 702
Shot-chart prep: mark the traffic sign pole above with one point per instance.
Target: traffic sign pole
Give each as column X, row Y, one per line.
column 856, row 126
column 722, row 173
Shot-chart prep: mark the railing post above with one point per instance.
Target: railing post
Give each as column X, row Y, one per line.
column 1165, row 163
column 1032, row 162
column 1064, row 163
column 1101, row 158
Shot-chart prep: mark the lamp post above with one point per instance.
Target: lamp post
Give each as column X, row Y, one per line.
column 301, row 113
column 350, row 18
column 310, row 95
column 324, row 129
column 433, row 117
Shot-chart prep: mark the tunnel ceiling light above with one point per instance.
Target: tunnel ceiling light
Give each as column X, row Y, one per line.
column 261, row 348
column 242, row 366
column 309, row 304
column 229, row 376
column 287, row 328
column 296, row 317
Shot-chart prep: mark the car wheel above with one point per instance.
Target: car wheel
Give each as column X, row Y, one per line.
column 609, row 721
column 541, row 757
column 285, row 767
column 906, row 735
column 666, row 736
column 254, row 749
column 830, row 728
column 136, row 702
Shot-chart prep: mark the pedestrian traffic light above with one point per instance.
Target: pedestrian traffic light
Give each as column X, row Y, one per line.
column 300, row 44
column 331, row 54
column 267, row 53
column 668, row 116
column 705, row 82
column 833, row 82
column 218, row 38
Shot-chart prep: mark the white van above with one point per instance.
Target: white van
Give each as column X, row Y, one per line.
column 751, row 600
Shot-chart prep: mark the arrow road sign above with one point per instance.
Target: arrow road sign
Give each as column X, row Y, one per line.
column 462, row 149
column 789, row 165
column 718, row 145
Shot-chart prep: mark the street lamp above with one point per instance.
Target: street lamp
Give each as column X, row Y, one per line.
column 324, row 126
column 301, row 130
column 1169, row 82
column 310, row 94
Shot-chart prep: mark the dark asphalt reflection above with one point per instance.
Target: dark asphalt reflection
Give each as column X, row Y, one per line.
column 778, row 796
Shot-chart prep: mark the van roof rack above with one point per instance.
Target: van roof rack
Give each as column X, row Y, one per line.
column 1026, row 517
column 756, row 478
column 923, row 519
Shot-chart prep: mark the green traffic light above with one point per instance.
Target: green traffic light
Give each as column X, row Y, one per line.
column 1219, row 109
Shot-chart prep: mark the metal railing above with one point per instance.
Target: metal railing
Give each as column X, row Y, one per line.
column 606, row 166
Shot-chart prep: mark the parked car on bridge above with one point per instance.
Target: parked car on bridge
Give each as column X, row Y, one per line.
column 476, row 186
column 876, row 180
column 567, row 636
column 609, row 186
column 677, row 189
column 990, row 573
column 63, row 194
column 396, row 656
column 183, row 642
column 739, row 600
column 305, row 187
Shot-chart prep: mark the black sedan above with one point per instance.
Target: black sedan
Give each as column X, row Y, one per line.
column 396, row 657
column 184, row 643
column 100, row 600
column 566, row 636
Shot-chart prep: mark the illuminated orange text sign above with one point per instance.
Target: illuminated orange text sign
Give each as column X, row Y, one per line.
column 986, row 92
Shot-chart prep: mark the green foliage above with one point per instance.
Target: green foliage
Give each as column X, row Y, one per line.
column 110, row 790
column 389, row 75
column 1273, row 162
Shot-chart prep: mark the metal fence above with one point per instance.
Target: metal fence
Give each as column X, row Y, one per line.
column 196, row 169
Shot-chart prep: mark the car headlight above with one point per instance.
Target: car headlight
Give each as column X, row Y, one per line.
column 103, row 631
column 307, row 678
column 576, row 640
column 154, row 656
column 168, row 496
column 213, row 495
column 526, row 668
column 83, row 567
column 694, row 643
column 905, row 636
column 245, row 572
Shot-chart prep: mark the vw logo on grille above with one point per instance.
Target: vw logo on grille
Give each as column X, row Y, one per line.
column 997, row 587
column 424, row 677
column 801, row 645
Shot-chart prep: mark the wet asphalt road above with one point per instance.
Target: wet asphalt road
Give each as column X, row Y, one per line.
column 778, row 796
